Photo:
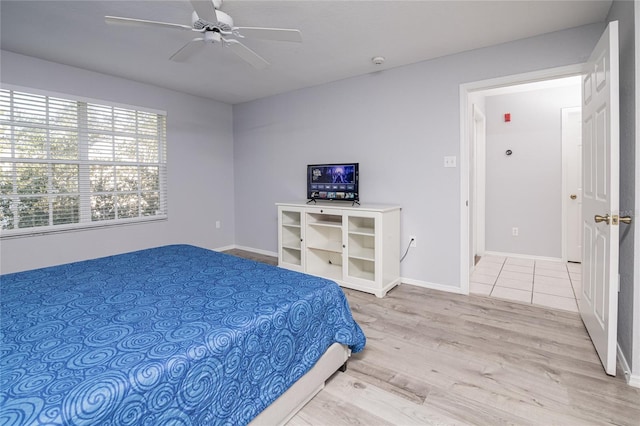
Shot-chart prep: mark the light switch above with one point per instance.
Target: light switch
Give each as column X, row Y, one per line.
column 450, row 161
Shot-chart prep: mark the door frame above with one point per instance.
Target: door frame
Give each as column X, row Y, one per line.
column 633, row 375
column 566, row 149
column 466, row 139
column 478, row 164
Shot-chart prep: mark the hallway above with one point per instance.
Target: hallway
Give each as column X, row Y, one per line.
column 538, row 282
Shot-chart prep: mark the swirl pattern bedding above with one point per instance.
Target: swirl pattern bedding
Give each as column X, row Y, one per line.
column 171, row 335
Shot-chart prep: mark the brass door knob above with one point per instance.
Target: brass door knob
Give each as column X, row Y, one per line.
column 573, row 196
column 625, row 219
column 605, row 218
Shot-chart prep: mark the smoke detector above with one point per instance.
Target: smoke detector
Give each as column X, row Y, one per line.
column 378, row 60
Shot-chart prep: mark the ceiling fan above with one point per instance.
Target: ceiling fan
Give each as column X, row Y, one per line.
column 215, row 27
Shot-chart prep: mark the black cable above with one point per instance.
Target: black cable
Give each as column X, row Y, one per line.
column 407, row 251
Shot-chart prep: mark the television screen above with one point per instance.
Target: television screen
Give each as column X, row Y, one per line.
column 332, row 182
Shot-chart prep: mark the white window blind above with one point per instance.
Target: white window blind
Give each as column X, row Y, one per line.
column 67, row 164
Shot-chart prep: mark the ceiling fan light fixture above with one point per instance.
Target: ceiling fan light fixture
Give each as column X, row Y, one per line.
column 211, row 37
column 216, row 27
column 378, row 60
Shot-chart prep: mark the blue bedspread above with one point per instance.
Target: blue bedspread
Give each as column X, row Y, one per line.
column 172, row 335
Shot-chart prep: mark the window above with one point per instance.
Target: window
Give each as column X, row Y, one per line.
column 68, row 164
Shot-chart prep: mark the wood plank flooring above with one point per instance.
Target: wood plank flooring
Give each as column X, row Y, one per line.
column 435, row 358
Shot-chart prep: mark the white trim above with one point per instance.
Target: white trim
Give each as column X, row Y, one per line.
column 409, row 281
column 225, row 248
column 61, row 229
column 635, row 322
column 565, row 178
column 76, row 98
column 624, row 365
column 250, row 249
column 433, row 286
column 479, row 179
column 632, row 379
column 466, row 115
column 524, row 256
column 258, row 251
column 528, row 77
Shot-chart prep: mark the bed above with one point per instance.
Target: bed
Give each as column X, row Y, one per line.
column 170, row 335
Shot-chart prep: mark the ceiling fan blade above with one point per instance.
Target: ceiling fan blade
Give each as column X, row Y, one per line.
column 187, row 50
column 247, row 54
column 205, row 10
column 115, row 20
column 277, row 34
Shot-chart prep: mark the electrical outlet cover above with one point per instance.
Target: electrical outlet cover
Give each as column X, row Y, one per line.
column 450, row 161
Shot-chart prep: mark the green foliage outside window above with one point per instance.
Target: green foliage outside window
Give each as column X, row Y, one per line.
column 46, row 180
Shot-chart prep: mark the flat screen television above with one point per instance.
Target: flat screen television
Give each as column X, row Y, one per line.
column 333, row 182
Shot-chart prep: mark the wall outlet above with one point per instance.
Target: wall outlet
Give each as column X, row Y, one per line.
column 413, row 240
column 450, row 161
column 218, row 224
column 514, row 231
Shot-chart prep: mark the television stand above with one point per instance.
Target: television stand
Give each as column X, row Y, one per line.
column 356, row 246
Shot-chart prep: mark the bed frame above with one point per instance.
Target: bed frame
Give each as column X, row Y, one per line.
column 301, row 392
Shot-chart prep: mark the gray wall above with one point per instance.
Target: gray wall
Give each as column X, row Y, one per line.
column 200, row 169
column 623, row 12
column 524, row 190
column 399, row 124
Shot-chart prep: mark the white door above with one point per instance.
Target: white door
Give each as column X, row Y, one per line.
column 572, row 168
column 598, row 301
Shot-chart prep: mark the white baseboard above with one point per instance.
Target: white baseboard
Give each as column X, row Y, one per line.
column 632, row 379
column 410, row 281
column 259, row 251
column 432, row 286
column 251, row 249
column 225, row 248
column 521, row 256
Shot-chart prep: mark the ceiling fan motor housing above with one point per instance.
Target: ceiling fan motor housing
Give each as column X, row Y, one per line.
column 225, row 22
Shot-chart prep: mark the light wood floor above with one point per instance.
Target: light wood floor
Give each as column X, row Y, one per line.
column 445, row 359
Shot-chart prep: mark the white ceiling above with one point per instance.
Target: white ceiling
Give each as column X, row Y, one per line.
column 339, row 38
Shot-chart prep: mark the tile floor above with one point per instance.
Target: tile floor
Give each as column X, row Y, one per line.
column 539, row 282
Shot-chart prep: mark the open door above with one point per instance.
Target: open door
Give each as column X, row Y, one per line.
column 598, row 302
column 572, row 183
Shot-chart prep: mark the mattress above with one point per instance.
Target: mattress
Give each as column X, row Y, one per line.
column 171, row 335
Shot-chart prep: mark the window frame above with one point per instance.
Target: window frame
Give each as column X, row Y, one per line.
column 84, row 191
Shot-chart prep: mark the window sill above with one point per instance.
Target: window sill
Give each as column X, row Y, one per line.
column 61, row 229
